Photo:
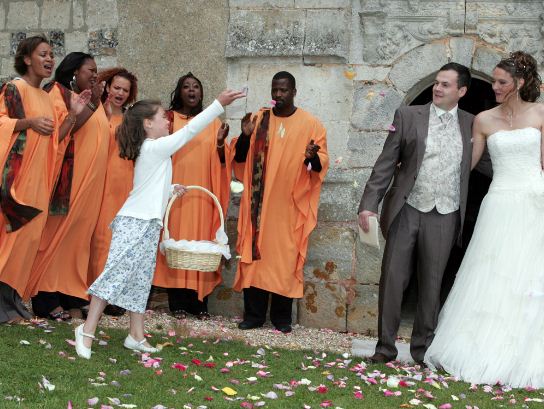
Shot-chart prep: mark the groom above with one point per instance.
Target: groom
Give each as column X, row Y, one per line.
column 427, row 155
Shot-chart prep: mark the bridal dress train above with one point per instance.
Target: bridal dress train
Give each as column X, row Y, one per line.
column 491, row 328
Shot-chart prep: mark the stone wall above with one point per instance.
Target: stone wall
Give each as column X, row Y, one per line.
column 355, row 62
column 159, row 40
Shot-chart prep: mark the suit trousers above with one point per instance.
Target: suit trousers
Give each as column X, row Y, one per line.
column 256, row 305
column 424, row 241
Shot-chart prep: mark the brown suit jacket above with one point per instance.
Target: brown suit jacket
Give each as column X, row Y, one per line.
column 401, row 159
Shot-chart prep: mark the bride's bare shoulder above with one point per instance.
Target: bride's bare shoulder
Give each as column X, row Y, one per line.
column 486, row 119
column 539, row 108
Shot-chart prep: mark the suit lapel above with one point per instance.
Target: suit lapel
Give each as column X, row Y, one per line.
column 422, row 130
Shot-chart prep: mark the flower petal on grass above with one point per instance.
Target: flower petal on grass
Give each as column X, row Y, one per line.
column 270, row 395
column 45, row 384
column 229, row 391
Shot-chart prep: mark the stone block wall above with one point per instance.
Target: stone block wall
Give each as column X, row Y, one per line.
column 355, row 62
column 71, row 25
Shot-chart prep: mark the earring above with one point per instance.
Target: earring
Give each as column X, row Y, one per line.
column 73, row 85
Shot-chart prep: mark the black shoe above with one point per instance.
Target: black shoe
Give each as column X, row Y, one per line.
column 286, row 329
column 249, row 325
column 179, row 314
column 114, row 310
column 422, row 364
column 378, row 358
column 203, row 316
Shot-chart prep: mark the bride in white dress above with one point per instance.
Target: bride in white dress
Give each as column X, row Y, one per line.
column 491, row 328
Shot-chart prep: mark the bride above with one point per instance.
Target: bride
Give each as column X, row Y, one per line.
column 491, row 328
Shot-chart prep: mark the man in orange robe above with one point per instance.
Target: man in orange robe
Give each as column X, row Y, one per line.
column 284, row 156
column 195, row 216
column 62, row 261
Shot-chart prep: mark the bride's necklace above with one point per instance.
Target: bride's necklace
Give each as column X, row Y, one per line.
column 510, row 117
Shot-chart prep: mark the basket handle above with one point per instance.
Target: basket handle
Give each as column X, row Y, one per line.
column 166, row 234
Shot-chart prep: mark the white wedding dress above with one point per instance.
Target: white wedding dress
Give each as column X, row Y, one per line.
column 491, row 328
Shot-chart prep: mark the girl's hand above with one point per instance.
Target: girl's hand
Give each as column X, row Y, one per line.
column 42, row 125
column 180, row 190
column 78, row 101
column 228, row 96
column 222, row 134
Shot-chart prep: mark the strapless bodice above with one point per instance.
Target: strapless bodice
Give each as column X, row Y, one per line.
column 515, row 155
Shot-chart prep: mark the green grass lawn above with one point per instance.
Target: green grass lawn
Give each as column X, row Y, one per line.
column 192, row 373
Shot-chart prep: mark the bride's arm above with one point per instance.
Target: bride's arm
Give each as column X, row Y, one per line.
column 478, row 141
column 541, row 115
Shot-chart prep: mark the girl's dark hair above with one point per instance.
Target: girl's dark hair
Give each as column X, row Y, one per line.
column 176, row 103
column 108, row 76
column 72, row 62
column 25, row 49
column 131, row 133
column 522, row 65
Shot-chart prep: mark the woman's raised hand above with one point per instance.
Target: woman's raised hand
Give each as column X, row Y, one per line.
column 229, row 95
column 248, row 124
column 78, row 101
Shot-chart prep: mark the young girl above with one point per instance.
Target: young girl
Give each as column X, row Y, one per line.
column 126, row 279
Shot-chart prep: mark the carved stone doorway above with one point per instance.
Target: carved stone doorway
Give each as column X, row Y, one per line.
column 479, row 97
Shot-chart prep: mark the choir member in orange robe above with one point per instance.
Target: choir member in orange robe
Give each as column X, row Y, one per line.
column 30, row 132
column 59, row 273
column 284, row 153
column 194, row 217
column 120, row 90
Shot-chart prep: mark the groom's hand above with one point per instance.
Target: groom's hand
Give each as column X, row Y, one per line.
column 363, row 219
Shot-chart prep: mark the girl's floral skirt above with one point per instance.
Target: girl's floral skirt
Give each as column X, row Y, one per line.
column 128, row 273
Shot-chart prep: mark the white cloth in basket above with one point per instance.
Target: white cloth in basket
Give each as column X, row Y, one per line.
column 220, row 245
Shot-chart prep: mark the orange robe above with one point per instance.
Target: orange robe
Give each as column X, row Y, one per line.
column 63, row 258
column 32, row 186
column 118, row 184
column 289, row 206
column 195, row 216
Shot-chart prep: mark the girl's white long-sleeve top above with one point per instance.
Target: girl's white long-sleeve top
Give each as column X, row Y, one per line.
column 153, row 168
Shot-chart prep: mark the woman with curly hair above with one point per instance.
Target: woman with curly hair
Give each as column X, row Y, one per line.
column 491, row 328
column 121, row 89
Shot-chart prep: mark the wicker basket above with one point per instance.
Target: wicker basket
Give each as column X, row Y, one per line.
column 189, row 260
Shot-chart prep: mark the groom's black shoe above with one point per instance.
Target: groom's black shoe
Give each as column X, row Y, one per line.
column 249, row 325
column 378, row 358
column 422, row 364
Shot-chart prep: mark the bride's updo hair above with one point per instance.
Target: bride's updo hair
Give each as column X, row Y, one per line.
column 522, row 65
